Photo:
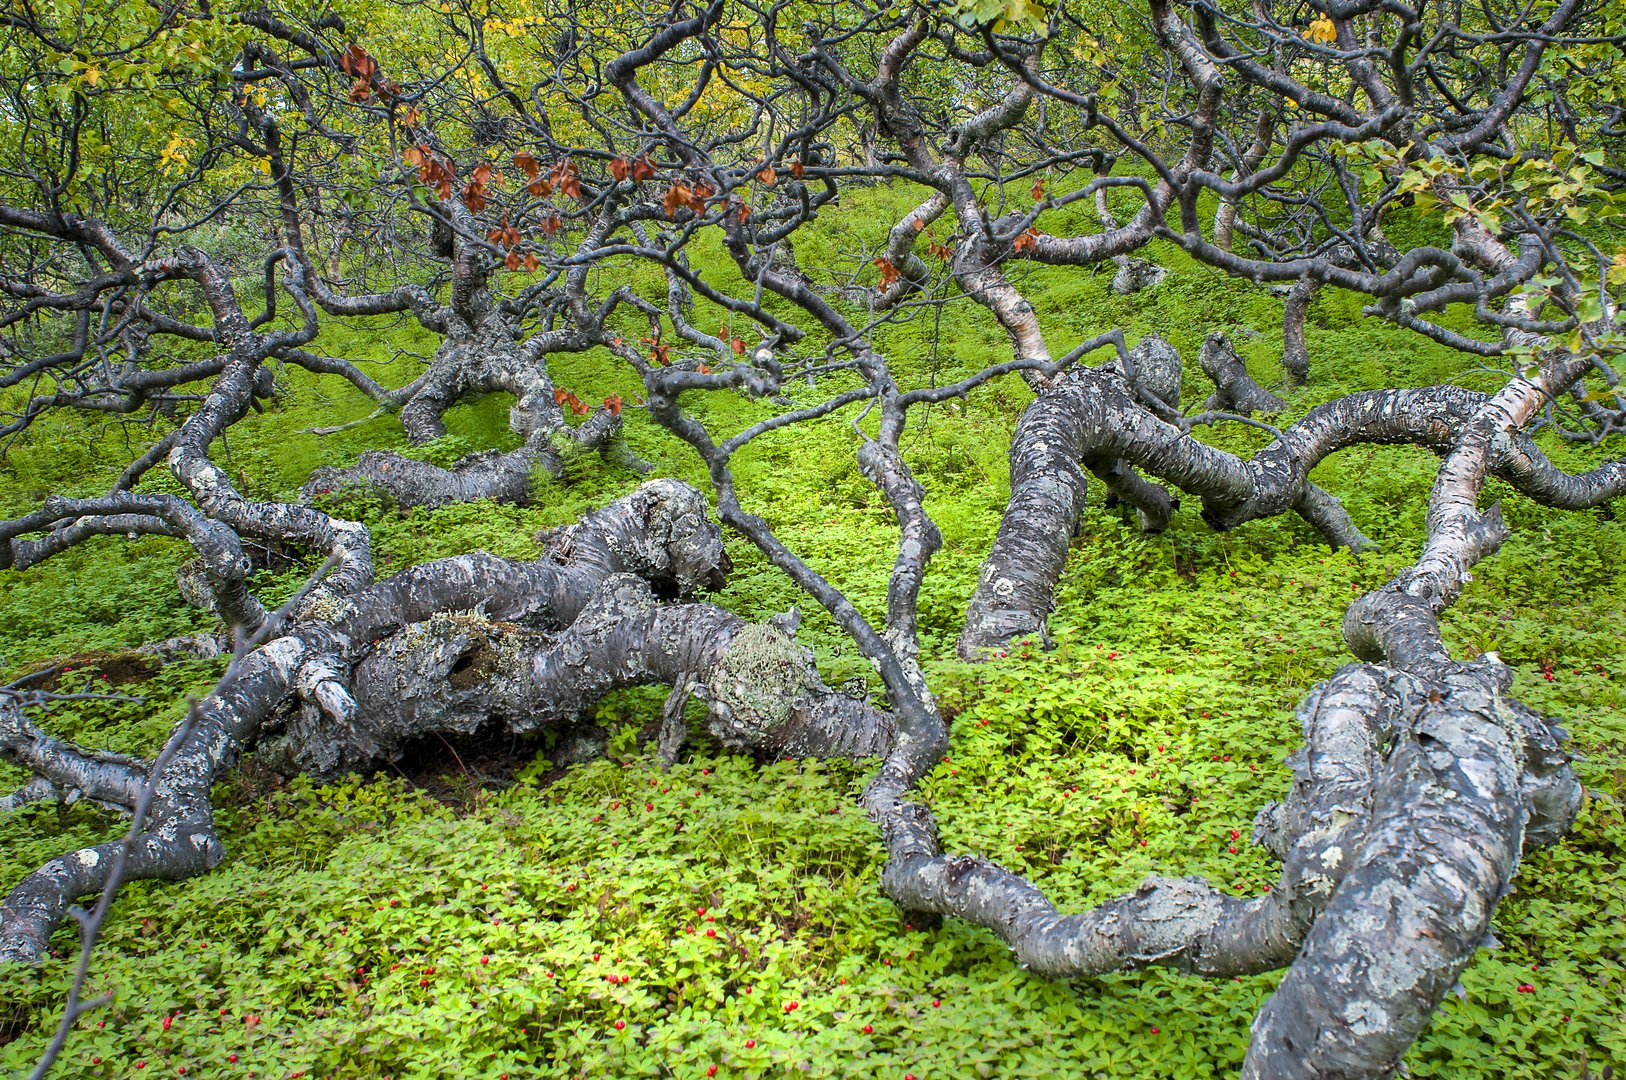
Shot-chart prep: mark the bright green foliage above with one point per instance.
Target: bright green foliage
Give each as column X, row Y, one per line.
column 1156, row 727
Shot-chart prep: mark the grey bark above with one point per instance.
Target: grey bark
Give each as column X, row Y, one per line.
column 1234, row 389
column 1333, row 814
column 1095, row 414
column 479, row 359
column 447, row 646
column 1295, row 352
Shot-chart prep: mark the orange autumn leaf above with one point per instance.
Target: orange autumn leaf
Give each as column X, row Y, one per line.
column 767, row 175
column 678, row 196
column 527, row 164
column 643, row 169
column 512, row 261
column 613, row 403
column 540, row 188
column 1028, row 241
column 355, row 61
column 531, row 262
column 565, row 178
column 739, row 346
column 431, row 170
column 796, row 169
column 1038, row 189
column 504, row 233
column 658, row 352
column 620, row 168
column 889, row 273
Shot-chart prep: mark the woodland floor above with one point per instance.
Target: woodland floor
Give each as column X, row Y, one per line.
column 464, row 914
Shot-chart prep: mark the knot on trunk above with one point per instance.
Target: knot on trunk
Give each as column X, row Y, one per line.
column 762, row 674
column 766, row 695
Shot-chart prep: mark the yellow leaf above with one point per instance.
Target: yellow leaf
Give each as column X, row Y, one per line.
column 1321, row 31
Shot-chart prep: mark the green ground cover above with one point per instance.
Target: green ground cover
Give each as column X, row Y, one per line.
column 624, row 921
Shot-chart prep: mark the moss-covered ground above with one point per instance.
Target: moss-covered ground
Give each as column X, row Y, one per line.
column 461, row 917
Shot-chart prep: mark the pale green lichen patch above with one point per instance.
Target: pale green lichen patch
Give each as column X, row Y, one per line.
column 761, row 676
column 323, row 605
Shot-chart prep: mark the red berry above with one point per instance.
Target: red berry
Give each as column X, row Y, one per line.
column 1232, row 849
column 712, row 1071
column 620, row 1025
column 1154, row 1031
column 232, row 1058
column 750, row 1044
column 869, row 1029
